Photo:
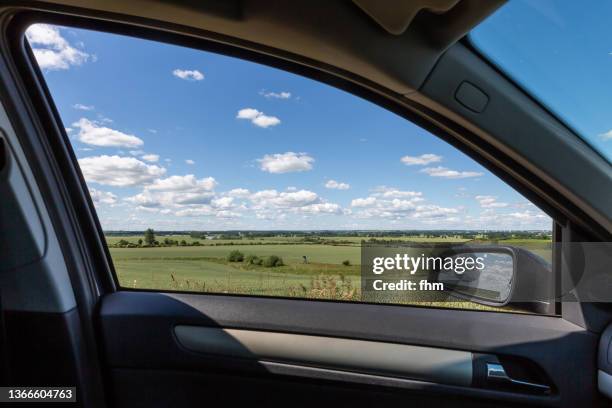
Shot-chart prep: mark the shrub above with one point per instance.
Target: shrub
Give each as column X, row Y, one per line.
column 273, row 261
column 253, row 260
column 235, row 256
column 346, row 262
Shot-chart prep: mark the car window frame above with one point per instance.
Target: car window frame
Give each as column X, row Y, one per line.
column 222, row 45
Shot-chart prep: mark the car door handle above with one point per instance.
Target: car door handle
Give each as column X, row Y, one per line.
column 496, row 375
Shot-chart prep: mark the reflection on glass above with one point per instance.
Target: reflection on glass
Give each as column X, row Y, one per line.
column 490, row 278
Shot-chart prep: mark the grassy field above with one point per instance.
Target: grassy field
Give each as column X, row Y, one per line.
column 327, row 254
column 205, row 268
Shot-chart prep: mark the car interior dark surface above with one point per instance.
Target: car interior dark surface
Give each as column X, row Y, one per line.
column 124, row 273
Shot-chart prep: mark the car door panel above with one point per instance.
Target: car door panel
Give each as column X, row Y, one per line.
column 282, row 337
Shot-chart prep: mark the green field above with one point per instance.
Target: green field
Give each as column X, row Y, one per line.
column 205, row 268
column 328, row 254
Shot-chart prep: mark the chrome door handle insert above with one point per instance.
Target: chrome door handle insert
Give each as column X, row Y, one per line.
column 497, row 374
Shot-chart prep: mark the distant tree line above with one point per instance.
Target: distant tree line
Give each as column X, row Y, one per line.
column 150, row 240
column 154, row 239
column 315, row 235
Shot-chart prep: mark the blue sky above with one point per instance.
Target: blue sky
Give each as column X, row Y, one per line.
column 561, row 51
column 180, row 139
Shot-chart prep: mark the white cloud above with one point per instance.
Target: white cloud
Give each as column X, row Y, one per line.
column 392, row 192
column 265, row 121
column 176, row 191
column 322, row 208
column 264, row 195
column 276, row 95
column 394, row 204
column 285, row 162
column 257, row 118
column 375, row 208
column 527, row 216
column 188, row 182
column 93, row 134
column 272, row 205
column 335, row 185
column 222, row 202
column 363, row 202
column 102, row 197
column 607, row 135
column 272, row 198
column 119, row 171
column 187, row 196
column 171, row 199
column 239, row 193
column 397, row 209
column 448, row 173
column 295, row 198
column 144, row 200
column 188, row 74
column 207, row 211
column 80, row 106
column 421, row 160
column 195, row 212
column 189, row 161
column 191, row 198
column 247, row 113
column 150, row 157
column 51, row 50
column 228, row 214
column 433, row 211
column 148, row 209
column 527, row 219
column 489, row 202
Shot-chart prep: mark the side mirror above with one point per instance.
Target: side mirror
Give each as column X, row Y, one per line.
column 499, row 276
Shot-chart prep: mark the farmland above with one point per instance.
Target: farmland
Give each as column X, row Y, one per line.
column 325, row 267
column 178, row 267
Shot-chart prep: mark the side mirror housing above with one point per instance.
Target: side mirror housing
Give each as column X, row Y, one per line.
column 503, row 276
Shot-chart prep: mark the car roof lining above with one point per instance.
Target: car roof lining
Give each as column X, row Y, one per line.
column 398, row 62
column 395, row 17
